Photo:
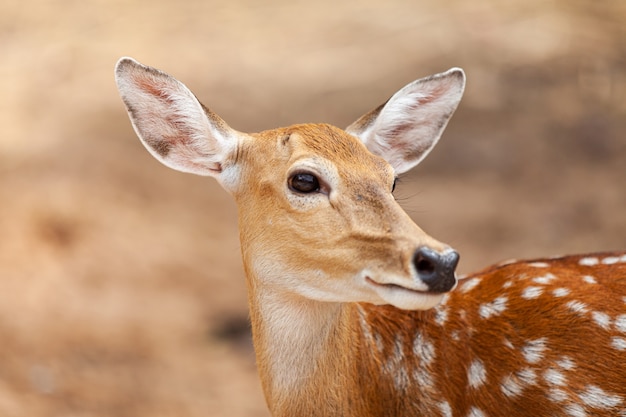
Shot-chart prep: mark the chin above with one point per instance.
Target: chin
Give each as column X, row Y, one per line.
column 415, row 301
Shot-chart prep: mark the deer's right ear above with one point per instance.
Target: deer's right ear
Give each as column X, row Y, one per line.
column 172, row 124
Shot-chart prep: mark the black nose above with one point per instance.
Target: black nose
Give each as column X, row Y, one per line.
column 436, row 269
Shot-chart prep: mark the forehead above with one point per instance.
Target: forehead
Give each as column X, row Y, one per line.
column 330, row 143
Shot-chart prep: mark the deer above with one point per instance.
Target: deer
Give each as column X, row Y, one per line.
column 355, row 310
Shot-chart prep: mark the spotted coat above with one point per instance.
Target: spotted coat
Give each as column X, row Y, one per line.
column 543, row 337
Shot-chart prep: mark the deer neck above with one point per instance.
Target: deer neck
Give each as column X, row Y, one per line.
column 334, row 356
column 304, row 352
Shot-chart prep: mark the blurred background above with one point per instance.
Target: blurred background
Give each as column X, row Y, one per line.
column 121, row 287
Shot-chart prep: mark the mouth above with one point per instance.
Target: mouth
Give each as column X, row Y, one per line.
column 393, row 287
column 404, row 297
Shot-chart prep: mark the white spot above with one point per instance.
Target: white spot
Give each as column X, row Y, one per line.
column 589, row 261
column 424, row 350
column 624, row 300
column 423, row 378
column 527, row 376
column 395, row 365
column 380, row 345
column 392, row 361
column 589, row 279
column 575, row 410
column 554, row 377
column 444, row 408
column 455, row 336
column 511, row 387
column 539, row 264
column 577, row 306
column 533, row 350
column 365, row 327
column 596, row 397
column 508, row 344
column 476, row 374
column 494, row 308
column 532, row 292
column 618, row 343
column 507, row 284
column 622, row 258
column 398, row 347
column 476, row 412
column 560, row 292
column 620, row 323
column 441, row 315
column 610, row 260
column 545, row 279
column 557, row 395
column 469, row 285
column 603, row 320
column 566, row 363
column 401, row 378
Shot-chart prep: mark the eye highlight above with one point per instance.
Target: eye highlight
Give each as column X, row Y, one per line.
column 304, row 182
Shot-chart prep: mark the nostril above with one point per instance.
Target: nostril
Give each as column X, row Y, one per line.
column 424, row 266
column 426, row 263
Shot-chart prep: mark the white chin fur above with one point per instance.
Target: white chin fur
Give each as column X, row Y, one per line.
column 408, row 299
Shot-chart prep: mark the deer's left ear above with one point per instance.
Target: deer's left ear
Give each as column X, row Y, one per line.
column 407, row 127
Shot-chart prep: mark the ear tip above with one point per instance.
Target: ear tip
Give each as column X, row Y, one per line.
column 125, row 64
column 456, row 72
column 459, row 75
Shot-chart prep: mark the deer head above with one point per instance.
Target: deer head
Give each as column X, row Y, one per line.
column 317, row 216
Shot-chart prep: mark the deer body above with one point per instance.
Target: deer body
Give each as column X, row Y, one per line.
column 530, row 338
column 352, row 305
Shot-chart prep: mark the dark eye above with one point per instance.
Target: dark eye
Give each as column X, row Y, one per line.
column 304, row 183
column 393, row 187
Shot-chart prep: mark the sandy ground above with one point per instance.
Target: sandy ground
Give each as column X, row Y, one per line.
column 122, row 290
